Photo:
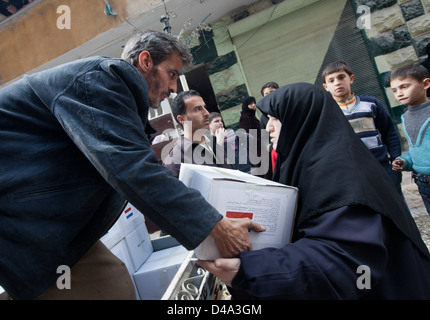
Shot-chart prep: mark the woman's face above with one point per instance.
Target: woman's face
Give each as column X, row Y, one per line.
column 252, row 105
column 274, row 128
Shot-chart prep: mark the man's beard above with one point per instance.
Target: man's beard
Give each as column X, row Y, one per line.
column 154, row 104
column 153, row 86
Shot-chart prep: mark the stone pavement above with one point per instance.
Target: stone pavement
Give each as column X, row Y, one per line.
column 416, row 206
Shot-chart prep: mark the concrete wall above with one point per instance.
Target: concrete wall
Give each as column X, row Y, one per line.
column 35, row 36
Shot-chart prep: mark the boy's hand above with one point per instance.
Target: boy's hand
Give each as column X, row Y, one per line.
column 398, row 164
column 220, row 135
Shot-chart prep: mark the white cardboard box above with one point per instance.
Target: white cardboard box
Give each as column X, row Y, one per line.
column 120, row 250
column 130, row 219
column 113, row 236
column 236, row 195
column 139, row 245
column 155, row 275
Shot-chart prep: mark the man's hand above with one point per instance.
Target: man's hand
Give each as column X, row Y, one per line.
column 398, row 164
column 224, row 269
column 232, row 236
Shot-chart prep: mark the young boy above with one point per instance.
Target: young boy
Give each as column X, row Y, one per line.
column 230, row 140
column 367, row 116
column 216, row 127
column 409, row 85
column 269, row 87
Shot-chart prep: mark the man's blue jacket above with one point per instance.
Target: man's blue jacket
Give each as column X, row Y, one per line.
column 74, row 147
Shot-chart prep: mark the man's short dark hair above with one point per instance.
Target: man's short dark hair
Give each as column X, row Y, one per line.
column 336, row 66
column 178, row 103
column 269, row 85
column 415, row 71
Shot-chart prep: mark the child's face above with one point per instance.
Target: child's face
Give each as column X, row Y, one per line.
column 339, row 85
column 267, row 90
column 215, row 124
column 409, row 91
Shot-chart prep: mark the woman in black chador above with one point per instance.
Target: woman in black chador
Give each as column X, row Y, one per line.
column 354, row 237
column 249, row 122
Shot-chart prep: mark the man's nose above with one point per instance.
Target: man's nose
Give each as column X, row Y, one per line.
column 173, row 86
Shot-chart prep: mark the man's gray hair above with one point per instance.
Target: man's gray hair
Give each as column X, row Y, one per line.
column 159, row 44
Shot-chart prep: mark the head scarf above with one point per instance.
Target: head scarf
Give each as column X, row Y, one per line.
column 319, row 153
column 247, row 101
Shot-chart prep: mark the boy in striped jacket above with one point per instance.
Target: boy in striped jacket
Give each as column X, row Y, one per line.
column 367, row 116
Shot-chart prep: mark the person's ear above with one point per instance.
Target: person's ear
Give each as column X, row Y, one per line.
column 181, row 119
column 145, row 61
column 426, row 83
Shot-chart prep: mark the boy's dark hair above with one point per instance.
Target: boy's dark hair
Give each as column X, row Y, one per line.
column 336, row 66
column 178, row 103
column 214, row 115
column 269, row 85
column 415, row 71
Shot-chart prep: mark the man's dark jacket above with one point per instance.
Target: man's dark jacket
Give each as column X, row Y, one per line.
column 73, row 149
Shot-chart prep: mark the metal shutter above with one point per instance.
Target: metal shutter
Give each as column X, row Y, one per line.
column 294, row 40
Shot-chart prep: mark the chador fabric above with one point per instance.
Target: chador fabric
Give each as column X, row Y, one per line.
column 247, row 119
column 250, row 123
column 321, row 155
column 246, row 102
